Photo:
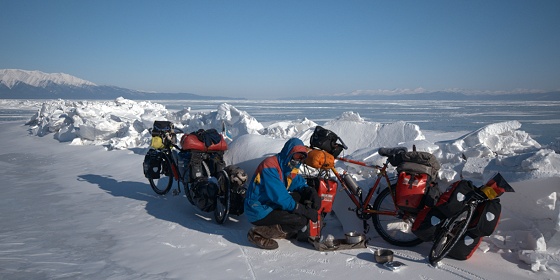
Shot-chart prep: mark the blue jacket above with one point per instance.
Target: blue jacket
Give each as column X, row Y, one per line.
column 273, row 181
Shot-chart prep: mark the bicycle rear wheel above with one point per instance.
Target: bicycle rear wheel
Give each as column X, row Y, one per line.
column 449, row 234
column 392, row 228
column 223, row 200
column 162, row 185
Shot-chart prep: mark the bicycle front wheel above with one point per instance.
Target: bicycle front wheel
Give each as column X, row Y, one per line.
column 223, row 200
column 392, row 228
column 162, row 185
column 449, row 234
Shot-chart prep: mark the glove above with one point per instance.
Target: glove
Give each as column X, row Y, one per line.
column 310, row 194
column 306, row 212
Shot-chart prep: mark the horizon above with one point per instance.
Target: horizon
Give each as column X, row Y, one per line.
column 269, row 50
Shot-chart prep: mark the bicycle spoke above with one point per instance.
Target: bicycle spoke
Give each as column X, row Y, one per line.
column 392, row 228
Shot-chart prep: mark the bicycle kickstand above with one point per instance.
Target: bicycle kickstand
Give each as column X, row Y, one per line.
column 178, row 190
column 366, row 226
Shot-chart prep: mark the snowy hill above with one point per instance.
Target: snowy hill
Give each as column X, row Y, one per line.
column 12, row 77
column 22, row 84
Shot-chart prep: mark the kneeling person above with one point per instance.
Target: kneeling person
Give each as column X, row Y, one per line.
column 276, row 198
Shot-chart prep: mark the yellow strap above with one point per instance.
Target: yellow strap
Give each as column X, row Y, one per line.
column 292, row 175
column 489, row 192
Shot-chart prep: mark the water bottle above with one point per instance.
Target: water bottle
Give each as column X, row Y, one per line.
column 351, row 184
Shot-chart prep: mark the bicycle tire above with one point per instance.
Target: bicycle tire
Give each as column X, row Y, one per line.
column 223, row 200
column 448, row 236
column 162, row 185
column 392, row 228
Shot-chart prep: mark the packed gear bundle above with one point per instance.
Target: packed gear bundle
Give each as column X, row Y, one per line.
column 416, row 185
column 163, row 135
column 326, row 140
column 451, row 202
column 159, row 131
column 201, row 161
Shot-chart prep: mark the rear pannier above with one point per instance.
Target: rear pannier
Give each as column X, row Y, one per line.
column 416, row 187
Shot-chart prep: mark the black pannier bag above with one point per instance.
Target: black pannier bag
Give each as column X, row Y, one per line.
column 454, row 198
column 204, row 193
column 427, row 223
column 236, row 178
column 326, row 140
column 152, row 164
column 486, row 218
column 465, row 247
column 203, row 167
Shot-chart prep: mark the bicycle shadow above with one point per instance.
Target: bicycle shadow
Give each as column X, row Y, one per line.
column 176, row 209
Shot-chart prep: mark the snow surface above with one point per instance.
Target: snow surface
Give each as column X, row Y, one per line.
column 74, row 210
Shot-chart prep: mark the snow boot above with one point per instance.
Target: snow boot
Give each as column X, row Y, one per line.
column 261, row 241
column 272, row 232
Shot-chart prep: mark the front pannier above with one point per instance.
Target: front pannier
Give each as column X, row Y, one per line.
column 427, row 223
column 465, row 247
column 152, row 164
column 454, row 198
column 486, row 218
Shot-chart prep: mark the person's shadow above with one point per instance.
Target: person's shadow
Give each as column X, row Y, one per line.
column 172, row 208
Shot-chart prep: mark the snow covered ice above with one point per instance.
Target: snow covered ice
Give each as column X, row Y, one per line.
column 526, row 241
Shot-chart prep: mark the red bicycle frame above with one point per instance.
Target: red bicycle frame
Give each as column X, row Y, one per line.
column 362, row 205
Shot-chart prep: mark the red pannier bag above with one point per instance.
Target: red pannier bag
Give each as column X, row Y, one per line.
column 190, row 142
column 427, row 222
column 454, row 198
column 486, row 218
column 415, row 186
column 465, row 247
column 410, row 191
column 326, row 189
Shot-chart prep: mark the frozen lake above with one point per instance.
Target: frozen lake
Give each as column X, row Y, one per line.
column 541, row 119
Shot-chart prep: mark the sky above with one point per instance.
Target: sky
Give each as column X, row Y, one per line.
column 271, row 49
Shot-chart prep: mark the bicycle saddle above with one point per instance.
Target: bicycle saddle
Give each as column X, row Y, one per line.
column 388, row 152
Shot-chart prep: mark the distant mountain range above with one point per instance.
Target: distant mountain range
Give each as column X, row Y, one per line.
column 446, row 95
column 23, row 84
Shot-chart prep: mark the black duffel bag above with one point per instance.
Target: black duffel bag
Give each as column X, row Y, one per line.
column 326, row 140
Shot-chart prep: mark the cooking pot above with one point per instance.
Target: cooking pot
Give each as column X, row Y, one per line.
column 383, row 255
column 354, row 237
